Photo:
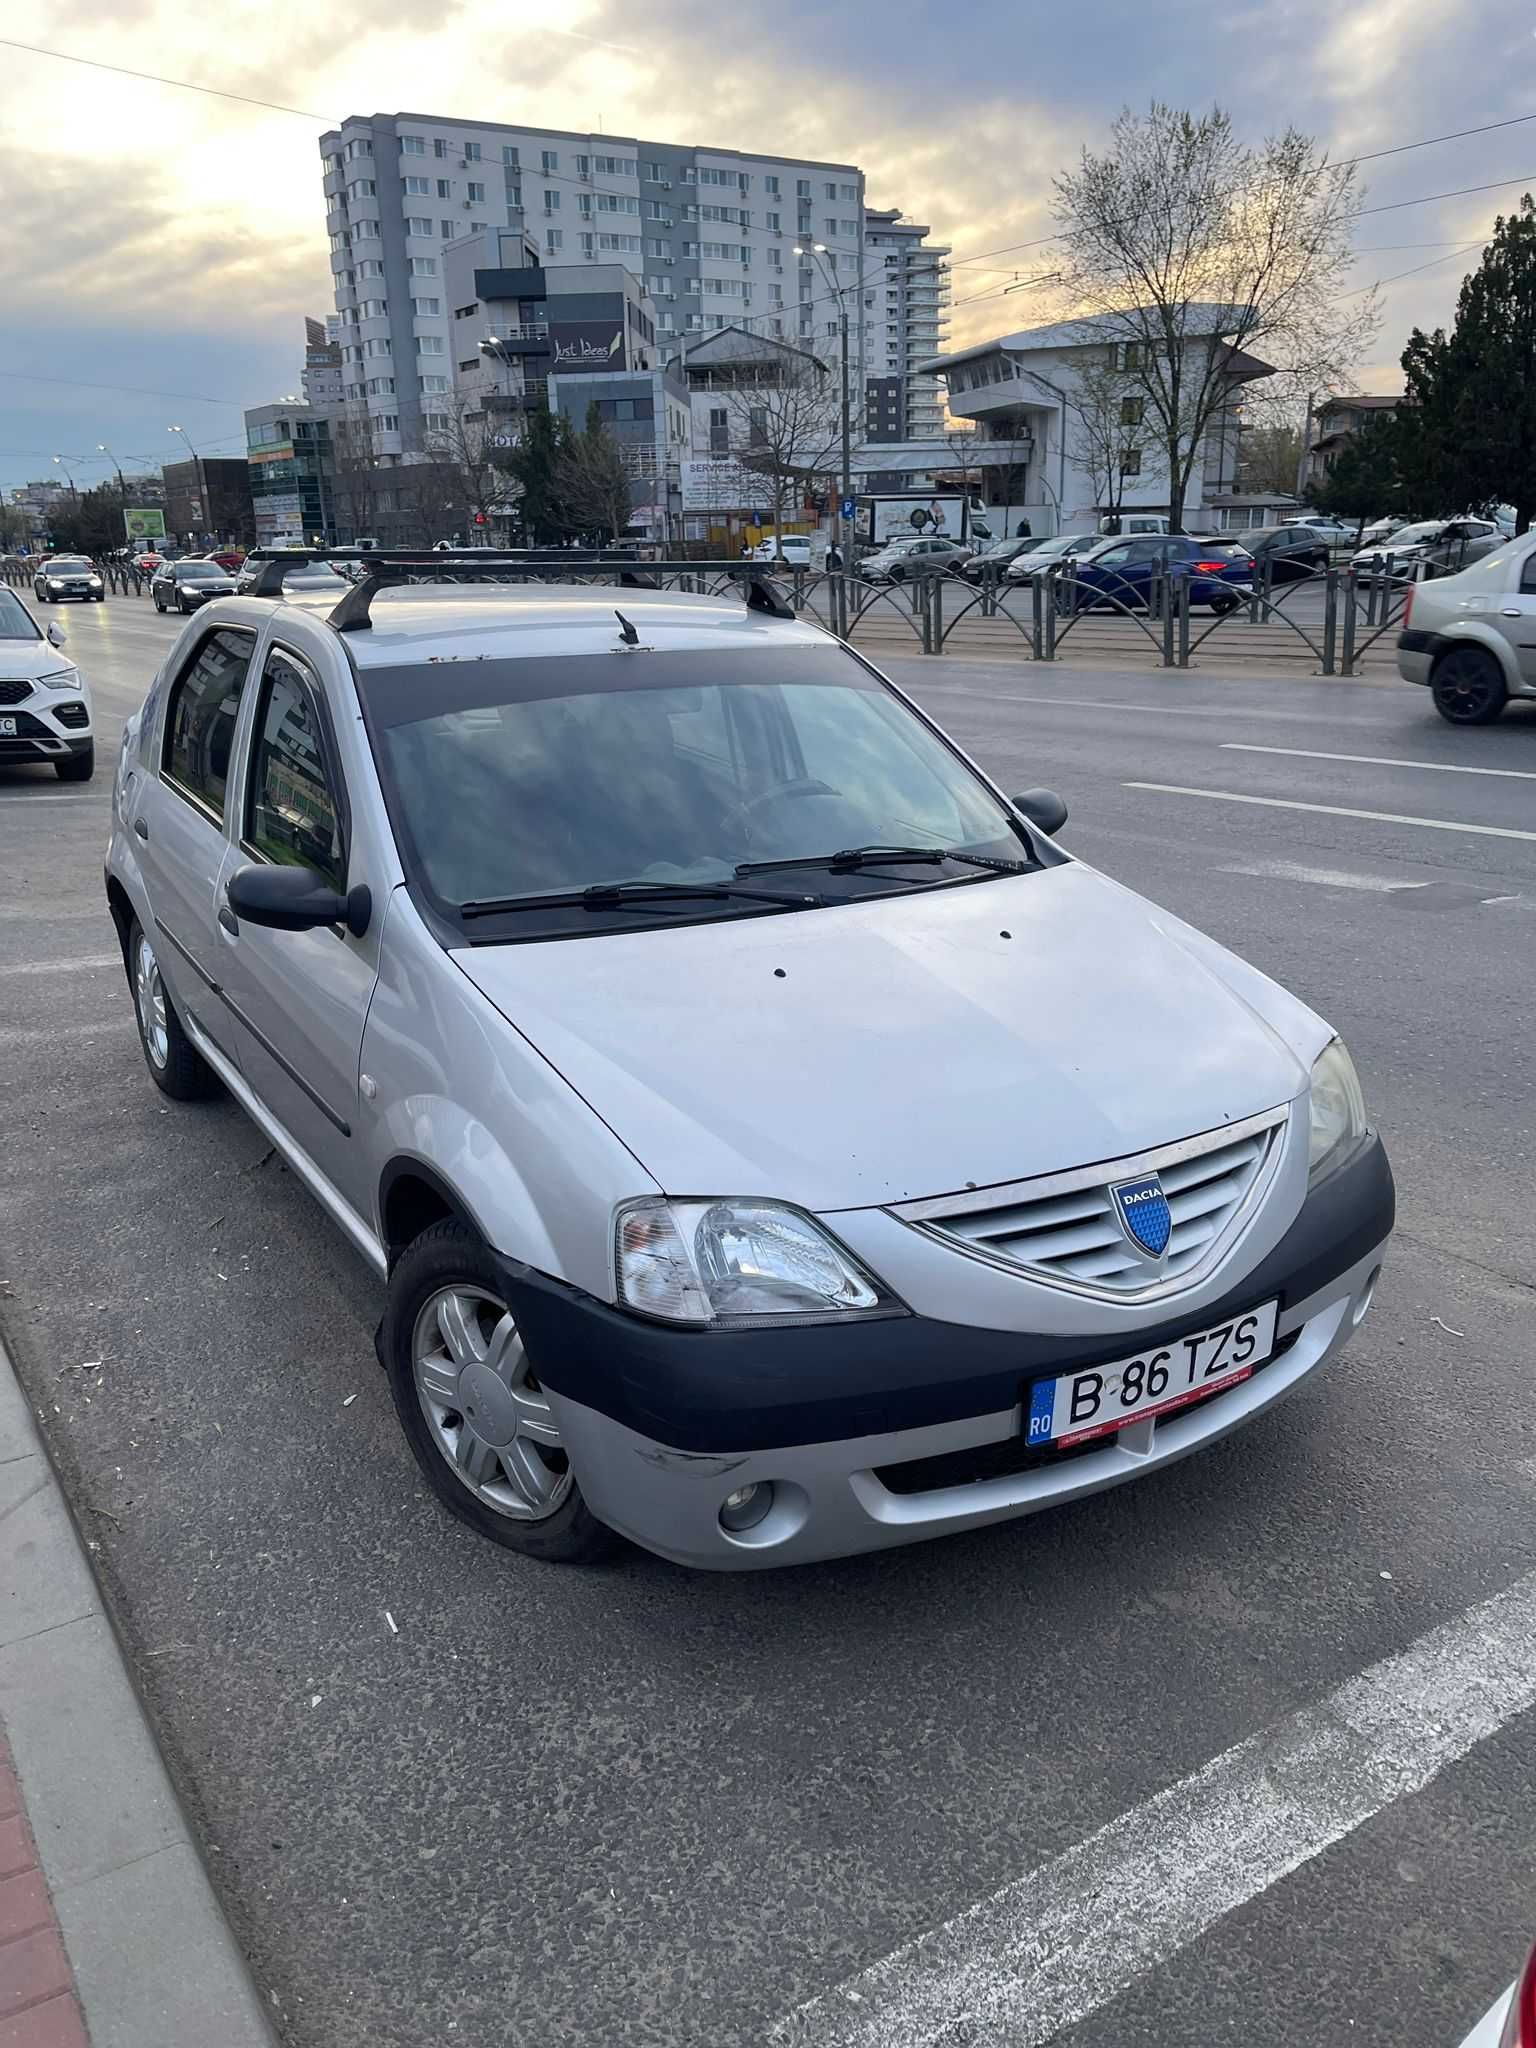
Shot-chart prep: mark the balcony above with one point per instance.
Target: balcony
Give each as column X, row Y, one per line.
column 525, row 338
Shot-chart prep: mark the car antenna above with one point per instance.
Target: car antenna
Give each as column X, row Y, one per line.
column 627, row 632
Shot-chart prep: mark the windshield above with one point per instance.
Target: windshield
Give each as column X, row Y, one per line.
column 67, row 565
column 16, row 622
column 199, row 572
column 512, row 778
column 1066, row 544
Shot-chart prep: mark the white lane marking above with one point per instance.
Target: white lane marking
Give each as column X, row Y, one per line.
column 1378, row 760
column 1044, row 1952
column 1327, row 878
column 59, row 1034
column 77, row 966
column 48, row 796
column 1285, row 803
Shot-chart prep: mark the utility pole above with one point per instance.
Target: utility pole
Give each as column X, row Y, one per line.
column 200, row 477
column 122, row 487
column 1306, row 446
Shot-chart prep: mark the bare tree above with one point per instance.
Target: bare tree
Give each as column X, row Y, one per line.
column 1271, row 455
column 593, row 479
column 1110, row 409
column 356, row 488
column 464, row 452
column 1195, row 251
column 785, row 423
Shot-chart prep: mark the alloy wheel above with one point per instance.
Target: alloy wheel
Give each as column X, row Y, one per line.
column 1468, row 688
column 149, row 1000
column 486, row 1412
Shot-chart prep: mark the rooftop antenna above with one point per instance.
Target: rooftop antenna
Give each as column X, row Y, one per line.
column 627, row 632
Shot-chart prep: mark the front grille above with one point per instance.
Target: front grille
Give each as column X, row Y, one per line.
column 1006, row 1460
column 73, row 714
column 1065, row 1228
column 13, row 693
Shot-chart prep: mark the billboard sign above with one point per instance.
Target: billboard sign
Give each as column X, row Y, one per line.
column 144, row 522
column 721, row 485
column 587, row 345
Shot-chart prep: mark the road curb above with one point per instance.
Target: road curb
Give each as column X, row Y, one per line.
column 154, row 1962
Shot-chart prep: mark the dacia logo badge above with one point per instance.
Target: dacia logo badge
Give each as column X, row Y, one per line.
column 1144, row 1213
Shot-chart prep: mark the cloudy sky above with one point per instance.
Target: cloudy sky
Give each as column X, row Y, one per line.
column 159, row 247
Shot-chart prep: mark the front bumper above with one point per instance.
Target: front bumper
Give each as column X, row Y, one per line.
column 661, row 1424
column 41, row 734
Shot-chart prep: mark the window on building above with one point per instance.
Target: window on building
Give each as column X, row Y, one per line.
column 549, row 159
column 1131, row 411
column 554, row 240
column 589, row 245
column 551, row 199
column 770, row 183
column 379, row 346
column 427, row 309
column 444, row 187
column 413, row 145
column 1129, row 355
column 372, row 267
column 439, row 147
column 429, row 344
column 433, row 384
column 621, row 245
column 415, row 188
column 470, row 363
column 435, row 422
column 848, row 229
column 423, row 266
column 509, row 155
column 1130, row 462
column 374, row 309
column 614, row 166
column 803, row 188
column 475, row 193
column 848, row 192
column 829, row 226
column 472, row 152
column 417, row 224
column 365, row 231
column 448, row 229
column 654, row 173
column 386, row 422
column 463, row 312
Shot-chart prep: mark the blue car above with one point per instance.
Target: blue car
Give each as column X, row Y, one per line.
column 1219, row 573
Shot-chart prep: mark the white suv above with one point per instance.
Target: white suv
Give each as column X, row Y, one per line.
column 771, row 1143
column 45, row 702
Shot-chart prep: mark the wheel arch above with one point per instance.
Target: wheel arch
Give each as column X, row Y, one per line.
column 414, row 1195
column 1473, row 633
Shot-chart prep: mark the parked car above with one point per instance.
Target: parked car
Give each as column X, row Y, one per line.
column 1380, row 530
column 1045, row 554
column 1118, row 525
column 1510, row 2022
column 740, row 896
column 227, row 558
column 900, row 559
column 1220, row 574
column 316, row 577
column 1443, row 546
column 61, row 576
column 148, row 562
column 1285, row 552
column 1471, row 638
column 45, row 702
column 1338, row 533
column 794, row 548
column 993, row 559
column 183, row 586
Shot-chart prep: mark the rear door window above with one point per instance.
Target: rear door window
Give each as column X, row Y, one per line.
column 200, row 718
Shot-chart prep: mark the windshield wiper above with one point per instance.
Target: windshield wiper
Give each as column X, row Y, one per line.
column 616, row 895
column 855, row 857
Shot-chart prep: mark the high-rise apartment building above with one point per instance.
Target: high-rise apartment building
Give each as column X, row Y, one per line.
column 322, row 363
column 712, row 232
column 906, row 315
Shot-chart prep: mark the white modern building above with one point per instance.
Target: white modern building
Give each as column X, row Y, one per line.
column 1039, row 399
column 712, row 232
column 906, row 316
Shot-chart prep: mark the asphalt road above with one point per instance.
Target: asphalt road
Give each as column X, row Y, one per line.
column 639, row 1806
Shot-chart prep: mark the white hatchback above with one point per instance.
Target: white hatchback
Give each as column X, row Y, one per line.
column 45, row 702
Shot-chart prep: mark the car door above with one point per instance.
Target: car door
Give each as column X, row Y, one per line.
column 1517, row 617
column 299, row 1000
column 178, row 819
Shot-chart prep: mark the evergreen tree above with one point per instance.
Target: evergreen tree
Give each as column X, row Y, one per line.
column 535, row 466
column 1363, row 482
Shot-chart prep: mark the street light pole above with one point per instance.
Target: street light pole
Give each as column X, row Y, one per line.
column 59, row 463
column 199, row 475
column 840, row 293
column 105, row 450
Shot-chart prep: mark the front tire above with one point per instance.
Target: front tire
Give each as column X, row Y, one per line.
column 473, row 1412
column 1222, row 605
column 1468, row 687
column 175, row 1065
column 78, row 767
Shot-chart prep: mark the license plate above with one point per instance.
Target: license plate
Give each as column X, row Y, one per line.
column 1080, row 1405
column 7, row 728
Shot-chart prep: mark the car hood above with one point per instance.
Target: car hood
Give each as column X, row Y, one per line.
column 24, row 661
column 908, row 1046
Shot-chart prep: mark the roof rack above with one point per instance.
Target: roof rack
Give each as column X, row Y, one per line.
column 388, row 566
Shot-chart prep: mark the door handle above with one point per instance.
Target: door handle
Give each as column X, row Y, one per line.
column 1510, row 611
column 141, row 828
column 228, row 920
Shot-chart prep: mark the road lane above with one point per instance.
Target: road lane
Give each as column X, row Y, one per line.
column 642, row 1807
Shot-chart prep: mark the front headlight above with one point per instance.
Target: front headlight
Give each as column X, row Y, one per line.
column 95, row 582
column 735, row 1263
column 1338, row 1109
column 61, row 679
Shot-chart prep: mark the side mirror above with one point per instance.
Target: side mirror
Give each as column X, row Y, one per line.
column 295, row 899
column 1044, row 808
column 55, row 637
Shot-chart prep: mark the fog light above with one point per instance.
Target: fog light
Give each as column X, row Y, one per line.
column 747, row 1506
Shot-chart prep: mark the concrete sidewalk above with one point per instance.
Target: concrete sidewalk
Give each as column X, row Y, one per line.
column 110, row 1933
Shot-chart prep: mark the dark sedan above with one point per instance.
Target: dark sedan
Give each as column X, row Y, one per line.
column 64, row 576
column 183, row 586
column 1285, row 553
column 1219, row 573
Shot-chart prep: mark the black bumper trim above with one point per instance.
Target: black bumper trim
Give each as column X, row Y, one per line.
column 744, row 1390
column 1412, row 641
